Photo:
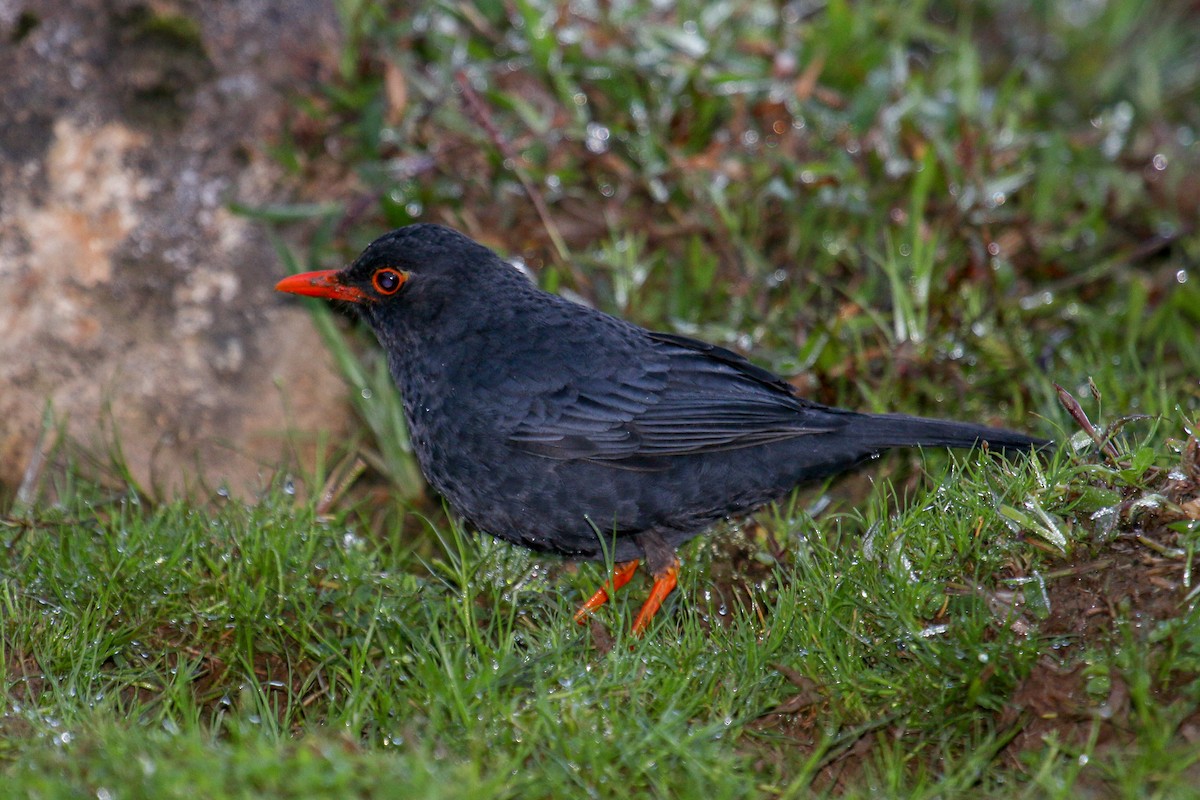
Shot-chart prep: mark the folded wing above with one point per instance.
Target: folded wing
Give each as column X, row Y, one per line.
column 678, row 397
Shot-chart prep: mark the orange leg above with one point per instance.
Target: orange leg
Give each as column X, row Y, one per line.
column 664, row 584
column 621, row 576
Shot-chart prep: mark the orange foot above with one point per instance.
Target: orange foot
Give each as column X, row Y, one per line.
column 621, row 576
column 664, row 583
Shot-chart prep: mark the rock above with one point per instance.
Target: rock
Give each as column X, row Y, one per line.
column 131, row 298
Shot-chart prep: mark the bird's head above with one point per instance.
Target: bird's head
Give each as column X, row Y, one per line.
column 406, row 279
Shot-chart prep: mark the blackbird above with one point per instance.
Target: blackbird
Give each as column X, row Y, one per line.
column 563, row 429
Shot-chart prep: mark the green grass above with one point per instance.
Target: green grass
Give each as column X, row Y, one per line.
column 308, row 658
column 917, row 207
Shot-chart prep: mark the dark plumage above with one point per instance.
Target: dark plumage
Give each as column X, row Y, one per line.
column 564, row 429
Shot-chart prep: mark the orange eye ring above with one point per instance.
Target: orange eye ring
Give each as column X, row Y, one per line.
column 388, row 281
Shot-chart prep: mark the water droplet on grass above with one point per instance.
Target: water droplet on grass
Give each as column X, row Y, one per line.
column 596, row 138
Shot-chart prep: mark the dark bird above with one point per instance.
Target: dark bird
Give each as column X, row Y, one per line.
column 563, row 429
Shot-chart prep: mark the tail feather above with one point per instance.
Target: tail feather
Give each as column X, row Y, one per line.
column 900, row 430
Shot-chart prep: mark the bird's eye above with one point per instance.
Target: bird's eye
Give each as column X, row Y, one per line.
column 388, row 281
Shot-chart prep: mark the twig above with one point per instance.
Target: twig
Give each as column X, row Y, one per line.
column 479, row 109
column 31, row 479
column 1080, row 416
column 334, row 487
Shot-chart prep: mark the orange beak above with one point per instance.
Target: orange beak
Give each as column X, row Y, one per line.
column 324, row 283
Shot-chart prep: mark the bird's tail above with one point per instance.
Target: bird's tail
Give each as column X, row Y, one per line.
column 882, row 431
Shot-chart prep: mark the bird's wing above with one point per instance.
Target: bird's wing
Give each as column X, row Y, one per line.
column 678, row 396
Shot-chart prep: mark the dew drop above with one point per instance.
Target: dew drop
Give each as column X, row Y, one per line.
column 596, row 138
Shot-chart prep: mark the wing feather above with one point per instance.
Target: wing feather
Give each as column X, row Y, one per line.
column 678, row 397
